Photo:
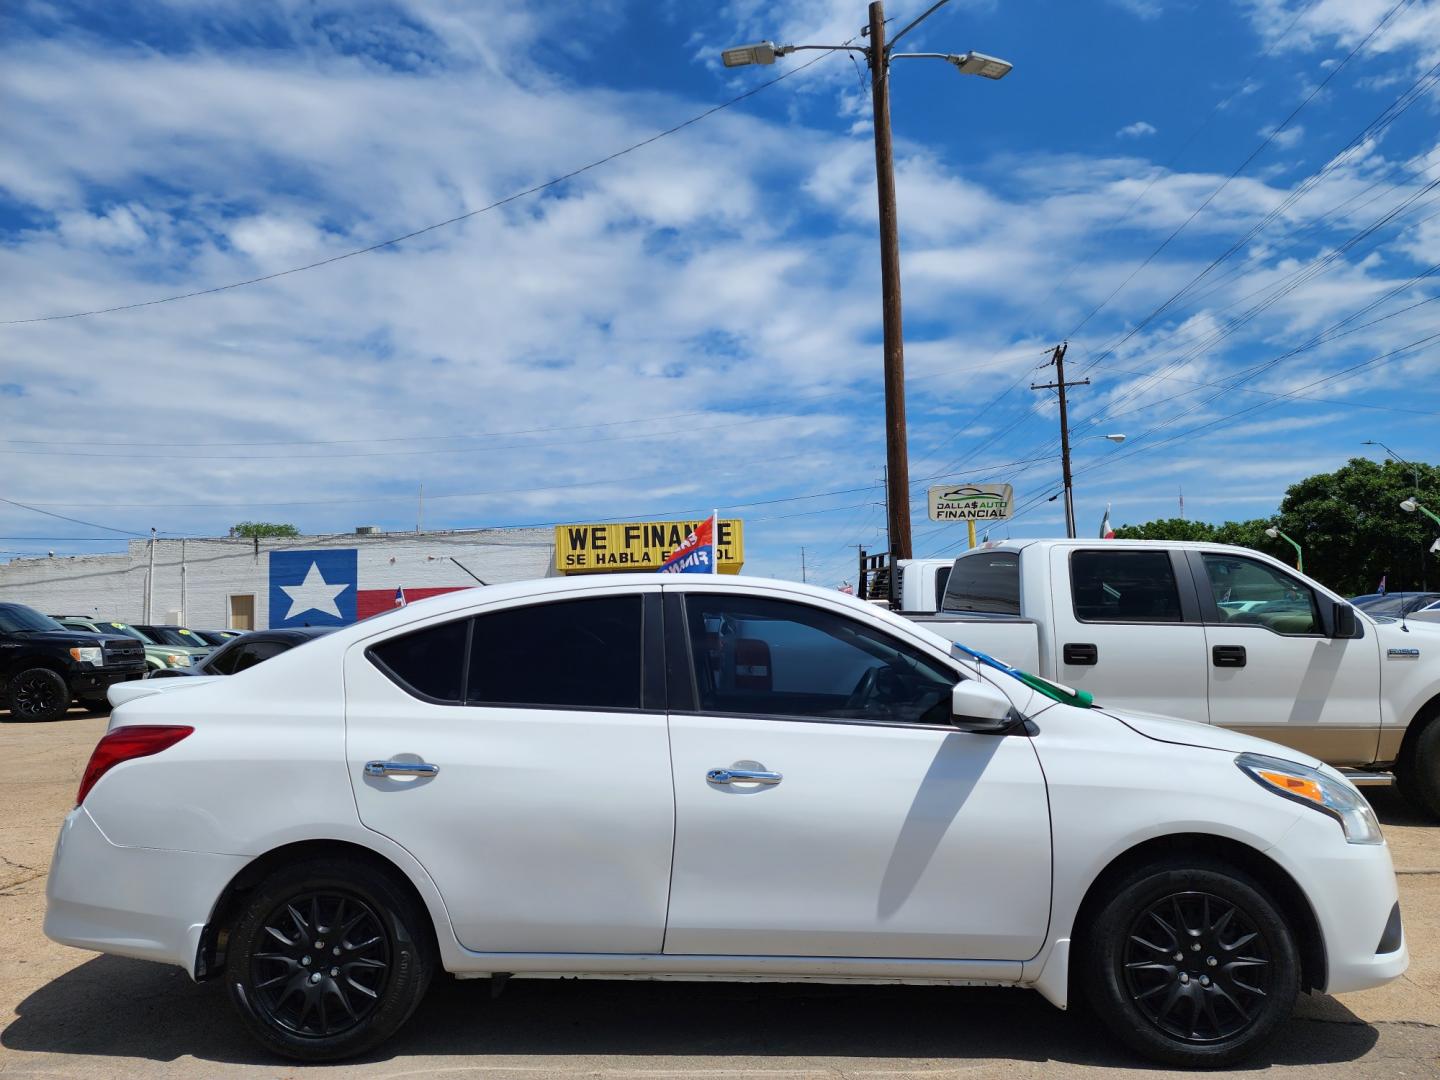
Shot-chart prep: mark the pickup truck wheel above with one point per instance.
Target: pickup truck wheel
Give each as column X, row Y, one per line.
column 328, row 959
column 38, row 694
column 1419, row 772
column 1190, row 964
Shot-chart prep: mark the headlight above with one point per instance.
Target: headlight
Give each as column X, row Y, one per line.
column 177, row 660
column 1315, row 789
column 90, row 655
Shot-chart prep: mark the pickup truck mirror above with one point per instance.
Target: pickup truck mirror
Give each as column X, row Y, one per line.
column 978, row 706
column 1342, row 621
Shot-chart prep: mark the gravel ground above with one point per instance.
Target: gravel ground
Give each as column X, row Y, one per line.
column 69, row 1013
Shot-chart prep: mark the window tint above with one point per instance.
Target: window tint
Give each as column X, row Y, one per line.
column 988, row 581
column 253, row 652
column 223, row 662
column 429, row 663
column 942, row 578
column 777, row 658
column 1124, row 586
column 576, row 653
column 1251, row 593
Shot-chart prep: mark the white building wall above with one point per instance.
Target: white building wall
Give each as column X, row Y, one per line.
column 114, row 586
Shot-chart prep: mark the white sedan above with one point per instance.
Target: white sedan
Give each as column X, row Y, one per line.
column 707, row 777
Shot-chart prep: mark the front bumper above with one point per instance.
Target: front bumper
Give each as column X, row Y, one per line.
column 145, row 903
column 1353, row 893
column 95, row 683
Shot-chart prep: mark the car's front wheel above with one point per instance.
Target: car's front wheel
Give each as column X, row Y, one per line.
column 328, row 959
column 1190, row 963
column 39, row 694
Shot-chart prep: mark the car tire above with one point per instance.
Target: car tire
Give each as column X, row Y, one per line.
column 1419, row 771
column 312, row 997
column 38, row 694
column 1237, row 980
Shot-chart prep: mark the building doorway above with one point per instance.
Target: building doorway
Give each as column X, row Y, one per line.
column 242, row 612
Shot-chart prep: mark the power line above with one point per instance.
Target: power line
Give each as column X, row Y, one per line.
column 392, row 241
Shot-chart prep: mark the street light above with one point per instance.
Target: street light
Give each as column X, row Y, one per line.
column 1116, row 438
column 878, row 55
column 1275, row 534
column 1410, row 506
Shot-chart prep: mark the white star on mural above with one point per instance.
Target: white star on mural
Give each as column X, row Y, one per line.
column 313, row 594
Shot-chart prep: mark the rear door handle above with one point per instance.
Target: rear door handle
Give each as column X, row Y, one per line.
column 1082, row 654
column 400, row 768
column 1228, row 655
column 742, row 776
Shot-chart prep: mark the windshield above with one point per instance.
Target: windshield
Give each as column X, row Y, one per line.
column 167, row 635
column 15, row 618
column 123, row 628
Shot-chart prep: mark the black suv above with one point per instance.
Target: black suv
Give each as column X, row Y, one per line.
column 44, row 666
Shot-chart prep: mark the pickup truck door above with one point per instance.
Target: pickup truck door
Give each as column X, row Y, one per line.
column 1126, row 627
column 1275, row 672
column 874, row 827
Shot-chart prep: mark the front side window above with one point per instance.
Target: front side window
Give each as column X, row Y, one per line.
column 1250, row 593
column 429, row 663
column 1124, row 586
column 987, row 582
column 771, row 657
column 570, row 654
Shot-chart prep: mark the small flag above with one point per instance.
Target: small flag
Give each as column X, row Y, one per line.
column 697, row 554
column 1381, row 587
column 1107, row 531
column 847, row 588
column 399, row 597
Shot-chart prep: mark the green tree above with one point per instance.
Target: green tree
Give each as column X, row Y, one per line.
column 1349, row 522
column 263, row 528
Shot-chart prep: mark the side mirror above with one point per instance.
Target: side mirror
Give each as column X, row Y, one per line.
column 978, row 706
column 1342, row 621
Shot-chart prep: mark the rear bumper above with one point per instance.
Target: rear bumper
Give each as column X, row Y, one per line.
column 143, row 903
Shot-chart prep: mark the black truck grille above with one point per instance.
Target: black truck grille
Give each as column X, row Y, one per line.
column 127, row 653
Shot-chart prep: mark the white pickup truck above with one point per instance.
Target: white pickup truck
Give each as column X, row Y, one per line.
column 1207, row 632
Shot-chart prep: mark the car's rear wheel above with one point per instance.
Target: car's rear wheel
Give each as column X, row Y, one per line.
column 39, row 694
column 328, row 959
column 1419, row 771
column 1190, row 964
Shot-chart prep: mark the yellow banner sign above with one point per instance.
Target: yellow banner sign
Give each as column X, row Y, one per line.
column 640, row 545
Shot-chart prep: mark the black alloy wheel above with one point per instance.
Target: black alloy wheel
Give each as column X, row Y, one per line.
column 1197, row 967
column 327, row 958
column 325, row 965
column 39, row 694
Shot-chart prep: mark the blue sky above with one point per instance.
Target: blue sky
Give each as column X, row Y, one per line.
column 697, row 323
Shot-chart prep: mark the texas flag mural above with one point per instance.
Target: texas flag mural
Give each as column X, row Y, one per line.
column 697, row 554
column 321, row 587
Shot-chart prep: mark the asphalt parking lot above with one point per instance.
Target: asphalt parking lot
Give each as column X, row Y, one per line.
column 69, row 1013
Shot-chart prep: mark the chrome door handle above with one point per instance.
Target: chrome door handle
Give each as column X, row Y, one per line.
column 742, row 776
column 400, row 768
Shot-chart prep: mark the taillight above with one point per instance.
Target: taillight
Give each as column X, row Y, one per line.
column 124, row 744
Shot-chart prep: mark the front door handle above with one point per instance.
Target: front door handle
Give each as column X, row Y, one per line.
column 742, row 776
column 400, row 768
column 1228, row 655
column 1078, row 654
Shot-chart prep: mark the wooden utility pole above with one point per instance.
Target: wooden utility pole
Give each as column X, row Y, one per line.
column 1058, row 359
column 897, row 480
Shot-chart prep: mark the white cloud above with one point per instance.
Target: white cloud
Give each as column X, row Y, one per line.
column 1139, row 129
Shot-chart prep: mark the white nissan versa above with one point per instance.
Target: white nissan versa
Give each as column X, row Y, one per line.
column 699, row 777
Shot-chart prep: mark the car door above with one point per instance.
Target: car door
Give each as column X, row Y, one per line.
column 872, row 827
column 529, row 768
column 1274, row 669
column 1127, row 628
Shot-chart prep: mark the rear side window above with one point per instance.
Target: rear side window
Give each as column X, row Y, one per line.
column 988, row 582
column 571, row 654
column 1124, row 586
column 429, row 663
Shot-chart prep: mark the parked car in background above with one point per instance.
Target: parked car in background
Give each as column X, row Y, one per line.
column 708, row 777
column 218, row 637
column 157, row 657
column 44, row 666
column 176, row 635
column 1396, row 604
column 247, row 650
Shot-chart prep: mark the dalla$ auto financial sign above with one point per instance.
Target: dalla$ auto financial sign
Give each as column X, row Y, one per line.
column 638, row 546
column 971, row 502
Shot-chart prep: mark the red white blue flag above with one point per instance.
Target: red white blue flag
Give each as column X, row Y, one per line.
column 400, row 597
column 697, row 554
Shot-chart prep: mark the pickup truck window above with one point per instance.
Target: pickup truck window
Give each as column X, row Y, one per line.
column 1251, row 593
column 1124, row 586
column 987, row 582
column 769, row 657
column 571, row 654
